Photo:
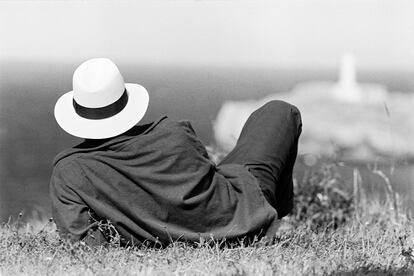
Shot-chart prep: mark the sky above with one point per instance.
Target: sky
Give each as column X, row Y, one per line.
column 305, row 34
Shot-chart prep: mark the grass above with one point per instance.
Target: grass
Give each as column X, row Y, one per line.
column 338, row 233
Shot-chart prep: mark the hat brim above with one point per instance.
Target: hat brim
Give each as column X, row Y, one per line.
column 130, row 115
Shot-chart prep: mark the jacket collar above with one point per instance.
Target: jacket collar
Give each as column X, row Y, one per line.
column 89, row 145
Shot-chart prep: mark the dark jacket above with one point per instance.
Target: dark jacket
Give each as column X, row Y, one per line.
column 156, row 183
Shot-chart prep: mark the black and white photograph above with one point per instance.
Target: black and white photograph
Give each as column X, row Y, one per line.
column 206, row 137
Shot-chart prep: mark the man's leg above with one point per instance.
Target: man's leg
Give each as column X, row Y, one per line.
column 268, row 147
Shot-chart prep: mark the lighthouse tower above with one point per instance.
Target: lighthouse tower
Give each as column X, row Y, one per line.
column 347, row 89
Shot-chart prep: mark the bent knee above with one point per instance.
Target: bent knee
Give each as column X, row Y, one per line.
column 282, row 106
column 285, row 110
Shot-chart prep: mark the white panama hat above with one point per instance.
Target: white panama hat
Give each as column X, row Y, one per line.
column 101, row 105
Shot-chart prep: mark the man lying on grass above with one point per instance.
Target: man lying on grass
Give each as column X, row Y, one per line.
column 155, row 182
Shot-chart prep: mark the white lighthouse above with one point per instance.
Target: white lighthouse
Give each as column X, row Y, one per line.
column 349, row 90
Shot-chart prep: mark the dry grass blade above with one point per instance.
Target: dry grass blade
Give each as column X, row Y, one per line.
column 391, row 194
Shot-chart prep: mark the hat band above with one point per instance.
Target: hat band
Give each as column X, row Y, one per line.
column 102, row 112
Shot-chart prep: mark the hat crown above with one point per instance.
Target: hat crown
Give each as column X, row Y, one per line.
column 97, row 83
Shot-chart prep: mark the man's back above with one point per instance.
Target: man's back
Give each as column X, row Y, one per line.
column 156, row 182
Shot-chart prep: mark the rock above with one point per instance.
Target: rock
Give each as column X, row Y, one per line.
column 365, row 123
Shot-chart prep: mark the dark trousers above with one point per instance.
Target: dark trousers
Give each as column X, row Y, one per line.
column 268, row 146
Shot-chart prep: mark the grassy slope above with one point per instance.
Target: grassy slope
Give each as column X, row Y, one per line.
column 332, row 231
column 374, row 242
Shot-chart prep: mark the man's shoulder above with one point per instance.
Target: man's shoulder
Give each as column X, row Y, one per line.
column 66, row 159
column 66, row 172
column 180, row 124
column 171, row 127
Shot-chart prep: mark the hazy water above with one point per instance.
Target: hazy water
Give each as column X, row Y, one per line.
column 30, row 138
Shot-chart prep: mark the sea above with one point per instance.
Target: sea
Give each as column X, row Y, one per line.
column 30, row 137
